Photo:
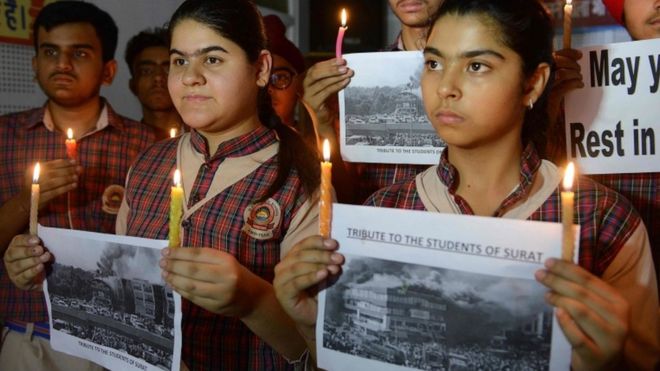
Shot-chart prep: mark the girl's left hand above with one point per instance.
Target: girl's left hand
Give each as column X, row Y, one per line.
column 594, row 316
column 210, row 278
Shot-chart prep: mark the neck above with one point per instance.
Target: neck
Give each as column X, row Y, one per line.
column 214, row 139
column 487, row 174
column 162, row 120
column 414, row 38
column 81, row 119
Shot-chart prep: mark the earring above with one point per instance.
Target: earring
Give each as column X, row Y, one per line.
column 531, row 104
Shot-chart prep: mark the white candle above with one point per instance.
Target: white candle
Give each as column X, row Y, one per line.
column 172, row 133
column 340, row 35
column 567, row 200
column 34, row 200
column 568, row 13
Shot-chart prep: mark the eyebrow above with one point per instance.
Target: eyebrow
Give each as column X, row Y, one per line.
column 76, row 46
column 200, row 51
column 468, row 54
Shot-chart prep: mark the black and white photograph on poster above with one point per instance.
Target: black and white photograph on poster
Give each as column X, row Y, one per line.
column 436, row 291
column 433, row 318
column 382, row 117
column 108, row 303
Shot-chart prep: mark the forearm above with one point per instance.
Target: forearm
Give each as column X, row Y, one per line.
column 14, row 216
column 268, row 320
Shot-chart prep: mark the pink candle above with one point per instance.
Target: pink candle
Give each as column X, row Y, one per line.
column 340, row 34
column 34, row 200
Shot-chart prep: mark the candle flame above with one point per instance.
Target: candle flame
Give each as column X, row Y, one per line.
column 344, row 16
column 569, row 2
column 35, row 174
column 326, row 150
column 69, row 133
column 569, row 174
column 177, row 178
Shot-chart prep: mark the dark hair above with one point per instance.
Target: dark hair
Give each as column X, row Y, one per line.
column 241, row 22
column 64, row 12
column 526, row 28
column 156, row 37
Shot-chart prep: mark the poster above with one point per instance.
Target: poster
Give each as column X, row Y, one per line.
column 423, row 290
column 108, row 303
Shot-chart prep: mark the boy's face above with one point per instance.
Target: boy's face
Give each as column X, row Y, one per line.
column 149, row 81
column 69, row 64
column 415, row 13
column 642, row 18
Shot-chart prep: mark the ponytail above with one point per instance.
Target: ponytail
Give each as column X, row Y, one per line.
column 294, row 152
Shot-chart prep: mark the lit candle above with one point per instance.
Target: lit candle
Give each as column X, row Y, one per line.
column 325, row 204
column 567, row 197
column 176, row 210
column 71, row 146
column 34, row 200
column 173, row 133
column 340, row 34
column 568, row 12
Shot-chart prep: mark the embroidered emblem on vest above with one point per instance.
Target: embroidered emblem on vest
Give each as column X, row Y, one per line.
column 261, row 219
column 112, row 197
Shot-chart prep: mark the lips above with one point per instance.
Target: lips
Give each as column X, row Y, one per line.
column 448, row 117
column 194, row 98
column 63, row 78
column 410, row 5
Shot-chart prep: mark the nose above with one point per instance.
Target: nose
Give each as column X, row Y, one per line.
column 64, row 62
column 192, row 76
column 448, row 85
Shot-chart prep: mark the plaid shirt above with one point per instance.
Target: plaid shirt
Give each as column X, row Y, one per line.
column 105, row 156
column 215, row 342
column 606, row 220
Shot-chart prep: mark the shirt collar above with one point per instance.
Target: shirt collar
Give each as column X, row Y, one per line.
column 108, row 117
column 529, row 166
column 240, row 146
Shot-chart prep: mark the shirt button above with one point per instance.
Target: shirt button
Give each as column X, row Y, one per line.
column 195, row 198
column 185, row 224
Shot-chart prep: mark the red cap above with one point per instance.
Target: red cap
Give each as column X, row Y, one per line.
column 280, row 45
column 615, row 7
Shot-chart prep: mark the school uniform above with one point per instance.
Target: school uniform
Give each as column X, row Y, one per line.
column 614, row 244
column 222, row 210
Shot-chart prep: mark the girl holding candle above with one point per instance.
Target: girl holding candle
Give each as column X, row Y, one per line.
column 484, row 88
column 250, row 191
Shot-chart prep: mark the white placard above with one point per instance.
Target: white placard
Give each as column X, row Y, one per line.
column 423, row 290
column 381, row 114
column 108, row 303
column 613, row 123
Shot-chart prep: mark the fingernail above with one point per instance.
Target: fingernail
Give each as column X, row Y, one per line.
column 33, row 240
column 165, row 252
column 162, row 263
column 540, row 274
column 336, row 257
column 321, row 274
column 343, row 69
column 550, row 262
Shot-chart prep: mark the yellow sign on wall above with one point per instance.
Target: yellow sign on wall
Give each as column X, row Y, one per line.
column 16, row 18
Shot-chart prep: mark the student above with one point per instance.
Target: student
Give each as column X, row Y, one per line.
column 324, row 79
column 248, row 181
column 641, row 18
column 285, row 84
column 148, row 59
column 487, row 66
column 74, row 44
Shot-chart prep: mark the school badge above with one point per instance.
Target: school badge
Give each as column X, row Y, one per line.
column 112, row 197
column 261, row 219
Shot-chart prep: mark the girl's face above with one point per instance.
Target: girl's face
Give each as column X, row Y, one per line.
column 472, row 83
column 213, row 85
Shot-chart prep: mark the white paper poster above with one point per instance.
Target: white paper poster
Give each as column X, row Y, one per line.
column 382, row 117
column 611, row 123
column 423, row 290
column 108, row 303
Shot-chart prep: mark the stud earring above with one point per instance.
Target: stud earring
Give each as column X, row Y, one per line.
column 531, row 104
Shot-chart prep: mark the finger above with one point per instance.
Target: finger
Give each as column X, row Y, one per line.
column 578, row 340
column 193, row 287
column 323, row 89
column 582, row 277
column 290, row 289
column 573, row 54
column 23, row 246
column 196, row 254
column 24, row 278
column 209, row 304
column 566, row 75
column 56, row 191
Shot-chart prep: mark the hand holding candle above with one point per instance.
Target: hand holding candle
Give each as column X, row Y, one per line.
column 568, row 13
column 567, row 197
column 325, row 204
column 71, row 146
column 34, row 200
column 340, row 35
column 176, row 210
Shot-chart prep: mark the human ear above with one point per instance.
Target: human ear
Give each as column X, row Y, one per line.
column 536, row 84
column 109, row 72
column 263, row 66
